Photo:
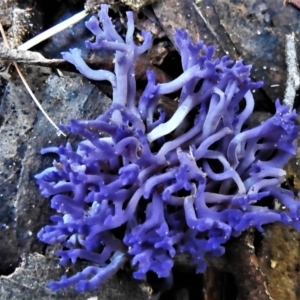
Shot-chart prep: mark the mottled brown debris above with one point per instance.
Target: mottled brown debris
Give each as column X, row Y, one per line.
column 293, row 2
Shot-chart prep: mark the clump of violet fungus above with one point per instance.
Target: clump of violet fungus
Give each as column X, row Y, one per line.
column 180, row 185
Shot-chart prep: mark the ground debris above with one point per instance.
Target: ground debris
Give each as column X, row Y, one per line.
column 30, row 279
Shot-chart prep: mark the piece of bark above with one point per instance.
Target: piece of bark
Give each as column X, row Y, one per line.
column 18, row 113
column 278, row 256
column 240, row 260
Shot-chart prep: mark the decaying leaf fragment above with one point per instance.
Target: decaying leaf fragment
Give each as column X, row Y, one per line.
column 137, row 4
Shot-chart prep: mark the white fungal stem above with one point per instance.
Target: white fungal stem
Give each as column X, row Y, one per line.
column 174, row 122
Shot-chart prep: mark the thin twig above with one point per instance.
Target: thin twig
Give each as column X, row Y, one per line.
column 106, row 62
column 293, row 75
column 27, row 86
column 53, row 30
column 7, row 179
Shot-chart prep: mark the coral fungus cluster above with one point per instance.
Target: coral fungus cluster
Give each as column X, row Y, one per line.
column 142, row 187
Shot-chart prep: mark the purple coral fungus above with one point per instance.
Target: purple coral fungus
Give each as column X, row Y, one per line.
column 180, row 185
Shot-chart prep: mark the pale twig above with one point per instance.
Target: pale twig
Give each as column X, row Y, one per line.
column 293, row 75
column 7, row 179
column 27, row 86
column 30, row 57
column 53, row 30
